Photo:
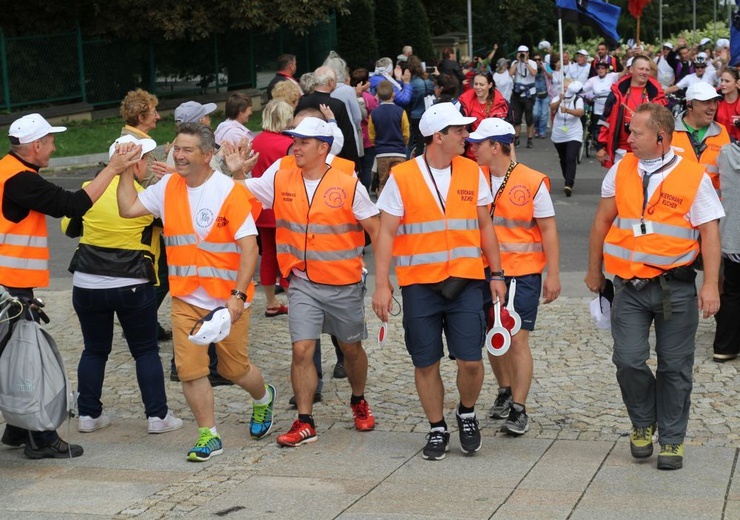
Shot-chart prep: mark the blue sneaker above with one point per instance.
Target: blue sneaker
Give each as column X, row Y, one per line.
column 261, row 422
column 208, row 445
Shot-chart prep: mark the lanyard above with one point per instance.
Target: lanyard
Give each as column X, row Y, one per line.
column 439, row 195
column 500, row 190
column 645, row 183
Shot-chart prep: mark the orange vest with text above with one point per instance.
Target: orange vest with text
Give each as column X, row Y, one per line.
column 24, row 250
column 321, row 237
column 211, row 263
column 431, row 245
column 519, row 237
column 708, row 157
column 674, row 242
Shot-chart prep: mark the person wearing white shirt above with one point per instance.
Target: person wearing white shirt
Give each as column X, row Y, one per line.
column 567, row 132
column 701, row 74
column 581, row 69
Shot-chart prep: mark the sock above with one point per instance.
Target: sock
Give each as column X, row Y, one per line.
column 440, row 425
column 463, row 411
column 505, row 390
column 214, row 431
column 356, row 399
column 307, row 419
column 264, row 400
column 519, row 408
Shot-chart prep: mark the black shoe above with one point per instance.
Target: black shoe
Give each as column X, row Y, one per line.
column 568, row 191
column 517, row 423
column 14, row 437
column 502, row 405
column 339, row 372
column 438, row 443
column 723, row 358
column 279, row 289
column 316, row 399
column 516, row 141
column 58, row 450
column 163, row 335
column 530, row 142
column 218, row 380
column 470, row 440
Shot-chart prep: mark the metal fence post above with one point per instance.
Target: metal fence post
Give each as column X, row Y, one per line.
column 152, row 68
column 81, row 64
column 252, row 72
column 4, row 67
column 215, row 58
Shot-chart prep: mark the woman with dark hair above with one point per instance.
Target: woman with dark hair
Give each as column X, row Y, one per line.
column 422, row 87
column 728, row 109
column 446, row 88
column 483, row 101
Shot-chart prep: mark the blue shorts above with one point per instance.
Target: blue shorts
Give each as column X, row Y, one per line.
column 526, row 299
column 426, row 313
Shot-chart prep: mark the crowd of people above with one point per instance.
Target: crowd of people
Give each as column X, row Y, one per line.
column 463, row 245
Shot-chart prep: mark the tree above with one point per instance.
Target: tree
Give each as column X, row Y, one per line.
column 356, row 34
column 388, row 29
column 416, row 24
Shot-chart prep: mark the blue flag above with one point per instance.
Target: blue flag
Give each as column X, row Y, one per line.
column 601, row 16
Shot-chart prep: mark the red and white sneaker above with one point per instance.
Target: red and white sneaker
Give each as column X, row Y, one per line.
column 364, row 420
column 299, row 433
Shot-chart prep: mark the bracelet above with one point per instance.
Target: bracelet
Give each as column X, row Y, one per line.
column 498, row 273
column 240, row 295
column 497, row 279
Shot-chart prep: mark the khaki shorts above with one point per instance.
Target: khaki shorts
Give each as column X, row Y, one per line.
column 191, row 360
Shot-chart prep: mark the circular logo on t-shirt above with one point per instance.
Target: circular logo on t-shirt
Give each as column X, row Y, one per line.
column 519, row 195
column 204, row 217
column 335, row 197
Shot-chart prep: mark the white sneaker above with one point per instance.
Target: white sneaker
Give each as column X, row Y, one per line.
column 86, row 424
column 168, row 424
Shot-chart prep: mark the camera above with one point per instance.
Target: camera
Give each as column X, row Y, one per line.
column 431, row 70
column 736, row 121
column 520, row 55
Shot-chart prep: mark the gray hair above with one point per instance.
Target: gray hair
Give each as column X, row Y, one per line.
column 277, row 116
column 206, row 139
column 323, row 76
column 383, row 63
column 335, row 62
column 308, row 83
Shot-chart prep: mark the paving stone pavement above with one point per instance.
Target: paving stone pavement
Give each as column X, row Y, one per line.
column 577, row 437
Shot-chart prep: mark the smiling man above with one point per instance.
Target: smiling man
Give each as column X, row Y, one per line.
column 212, row 253
column 320, row 215
column 434, row 225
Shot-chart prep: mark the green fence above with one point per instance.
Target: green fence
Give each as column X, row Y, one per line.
column 67, row 67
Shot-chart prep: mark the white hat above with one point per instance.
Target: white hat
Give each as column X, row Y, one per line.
column 668, row 45
column 582, row 52
column 495, row 129
column 440, row 116
column 574, row 87
column 522, row 48
column 29, row 128
column 600, row 307
column 722, row 43
column 629, row 62
column 147, row 145
column 544, row 44
column 701, row 56
column 701, row 91
column 313, row 127
column 402, row 57
column 214, row 327
column 704, row 41
column 192, row 111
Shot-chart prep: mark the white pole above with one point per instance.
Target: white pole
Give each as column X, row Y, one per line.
column 660, row 22
column 470, row 29
column 560, row 42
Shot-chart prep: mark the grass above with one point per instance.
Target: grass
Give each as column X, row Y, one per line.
column 88, row 137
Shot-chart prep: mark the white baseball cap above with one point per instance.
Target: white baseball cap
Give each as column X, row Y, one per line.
column 701, row 91
column 214, row 327
column 495, row 129
column 522, row 48
column 147, row 145
column 544, row 44
column 722, row 43
column 704, row 41
column 574, row 87
column 192, row 111
column 668, row 45
column 582, row 52
column 30, row 128
column 629, row 62
column 702, row 56
column 313, row 127
column 440, row 116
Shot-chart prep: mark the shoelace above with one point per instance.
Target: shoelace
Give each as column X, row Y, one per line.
column 469, row 425
column 361, row 409
column 298, row 426
column 501, row 399
column 673, row 448
column 260, row 412
column 204, row 442
column 642, row 433
column 436, row 438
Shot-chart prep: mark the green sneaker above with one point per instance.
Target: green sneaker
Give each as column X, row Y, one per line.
column 670, row 456
column 261, row 422
column 641, row 441
column 207, row 446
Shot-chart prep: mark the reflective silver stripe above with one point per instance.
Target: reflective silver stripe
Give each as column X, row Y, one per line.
column 180, row 240
column 182, row 270
column 516, row 247
column 23, row 240
column 661, row 229
column 31, row 264
column 338, row 229
column 711, row 168
column 291, row 226
column 435, row 258
column 513, row 223
column 433, row 226
column 650, row 259
column 220, row 247
column 462, row 224
column 212, row 272
column 324, row 256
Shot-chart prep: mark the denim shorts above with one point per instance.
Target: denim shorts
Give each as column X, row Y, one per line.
column 426, row 314
column 526, row 299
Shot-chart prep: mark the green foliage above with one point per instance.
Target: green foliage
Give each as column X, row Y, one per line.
column 356, row 34
column 388, row 29
column 416, row 24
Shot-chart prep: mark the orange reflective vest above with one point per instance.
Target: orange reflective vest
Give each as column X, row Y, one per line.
column 344, row 165
column 321, row 237
column 519, row 236
column 24, row 250
column 430, row 246
column 674, row 242
column 714, row 139
column 211, row 263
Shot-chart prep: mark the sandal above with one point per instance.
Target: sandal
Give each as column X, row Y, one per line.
column 271, row 312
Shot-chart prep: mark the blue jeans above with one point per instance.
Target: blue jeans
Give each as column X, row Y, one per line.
column 136, row 308
column 366, row 167
column 541, row 115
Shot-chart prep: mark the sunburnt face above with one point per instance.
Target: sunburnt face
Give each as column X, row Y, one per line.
column 453, row 142
column 189, row 159
column 642, row 139
column 703, row 112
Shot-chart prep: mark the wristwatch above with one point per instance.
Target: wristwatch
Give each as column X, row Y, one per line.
column 240, row 295
column 498, row 273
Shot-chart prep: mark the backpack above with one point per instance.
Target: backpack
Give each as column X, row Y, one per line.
column 35, row 392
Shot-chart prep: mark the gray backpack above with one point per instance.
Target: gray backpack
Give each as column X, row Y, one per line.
column 35, row 393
